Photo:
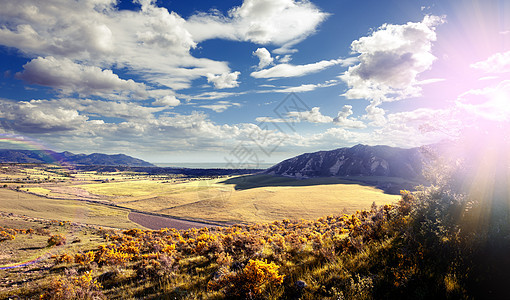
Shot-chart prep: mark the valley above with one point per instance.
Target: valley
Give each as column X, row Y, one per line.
column 106, row 198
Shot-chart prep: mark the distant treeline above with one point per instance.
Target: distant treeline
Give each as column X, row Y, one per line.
column 169, row 170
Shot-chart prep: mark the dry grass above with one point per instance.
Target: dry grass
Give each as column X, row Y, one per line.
column 217, row 201
column 76, row 211
column 244, row 199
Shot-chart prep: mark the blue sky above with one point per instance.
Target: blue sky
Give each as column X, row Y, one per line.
column 247, row 82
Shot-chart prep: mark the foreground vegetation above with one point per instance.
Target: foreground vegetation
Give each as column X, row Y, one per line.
column 432, row 243
column 447, row 241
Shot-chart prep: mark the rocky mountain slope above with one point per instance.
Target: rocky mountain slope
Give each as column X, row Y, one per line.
column 360, row 160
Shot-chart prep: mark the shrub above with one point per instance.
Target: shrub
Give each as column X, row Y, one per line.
column 4, row 236
column 57, row 240
column 74, row 287
column 251, row 282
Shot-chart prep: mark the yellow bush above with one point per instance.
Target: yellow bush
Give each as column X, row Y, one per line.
column 75, row 287
column 84, row 258
column 251, row 282
column 57, row 240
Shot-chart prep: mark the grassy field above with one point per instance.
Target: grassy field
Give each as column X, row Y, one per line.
column 228, row 200
column 76, row 211
column 259, row 198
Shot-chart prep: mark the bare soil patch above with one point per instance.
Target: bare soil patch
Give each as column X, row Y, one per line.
column 157, row 222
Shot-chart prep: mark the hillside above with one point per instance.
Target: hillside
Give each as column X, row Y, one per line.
column 48, row 156
column 360, row 160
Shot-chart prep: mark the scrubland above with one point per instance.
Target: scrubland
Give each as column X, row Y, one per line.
column 432, row 243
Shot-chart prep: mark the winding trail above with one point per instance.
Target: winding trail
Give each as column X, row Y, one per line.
column 157, row 222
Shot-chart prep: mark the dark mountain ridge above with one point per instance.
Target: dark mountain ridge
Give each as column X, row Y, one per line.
column 359, row 161
column 66, row 157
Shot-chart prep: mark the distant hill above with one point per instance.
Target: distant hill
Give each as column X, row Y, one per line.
column 359, row 161
column 48, row 156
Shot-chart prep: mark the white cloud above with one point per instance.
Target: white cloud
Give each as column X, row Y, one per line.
column 153, row 42
column 164, row 29
column 417, row 127
column 169, row 100
column 139, row 131
column 57, row 27
column 36, row 117
column 312, row 116
column 490, row 103
column 496, row 63
column 342, row 119
column 301, row 88
column 430, row 81
column 315, row 116
column 375, row 114
column 123, row 110
column 278, row 22
column 69, row 77
column 264, row 56
column 335, row 136
column 284, row 59
column 288, row 70
column 391, row 58
column 213, row 95
column 220, row 106
column 272, row 120
column 224, row 81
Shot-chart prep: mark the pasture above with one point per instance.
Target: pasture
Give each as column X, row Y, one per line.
column 225, row 200
column 245, row 199
column 30, row 205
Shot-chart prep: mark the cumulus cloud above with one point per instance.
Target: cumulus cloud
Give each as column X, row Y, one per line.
column 496, row 63
column 315, row 116
column 152, row 41
column 390, row 60
column 164, row 29
column 342, row 119
column 36, row 117
column 375, row 114
column 110, row 109
column 336, row 136
column 278, row 22
column 224, row 81
column 264, row 56
column 139, row 129
column 272, row 120
column 169, row 100
column 288, row 70
column 57, row 27
column 312, row 116
column 69, row 77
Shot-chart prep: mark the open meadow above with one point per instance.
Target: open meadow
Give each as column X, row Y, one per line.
column 219, row 199
column 19, row 203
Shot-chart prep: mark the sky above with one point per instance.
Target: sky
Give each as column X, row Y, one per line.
column 251, row 81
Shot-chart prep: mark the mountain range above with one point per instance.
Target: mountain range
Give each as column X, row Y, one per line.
column 358, row 161
column 48, row 156
column 374, row 165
